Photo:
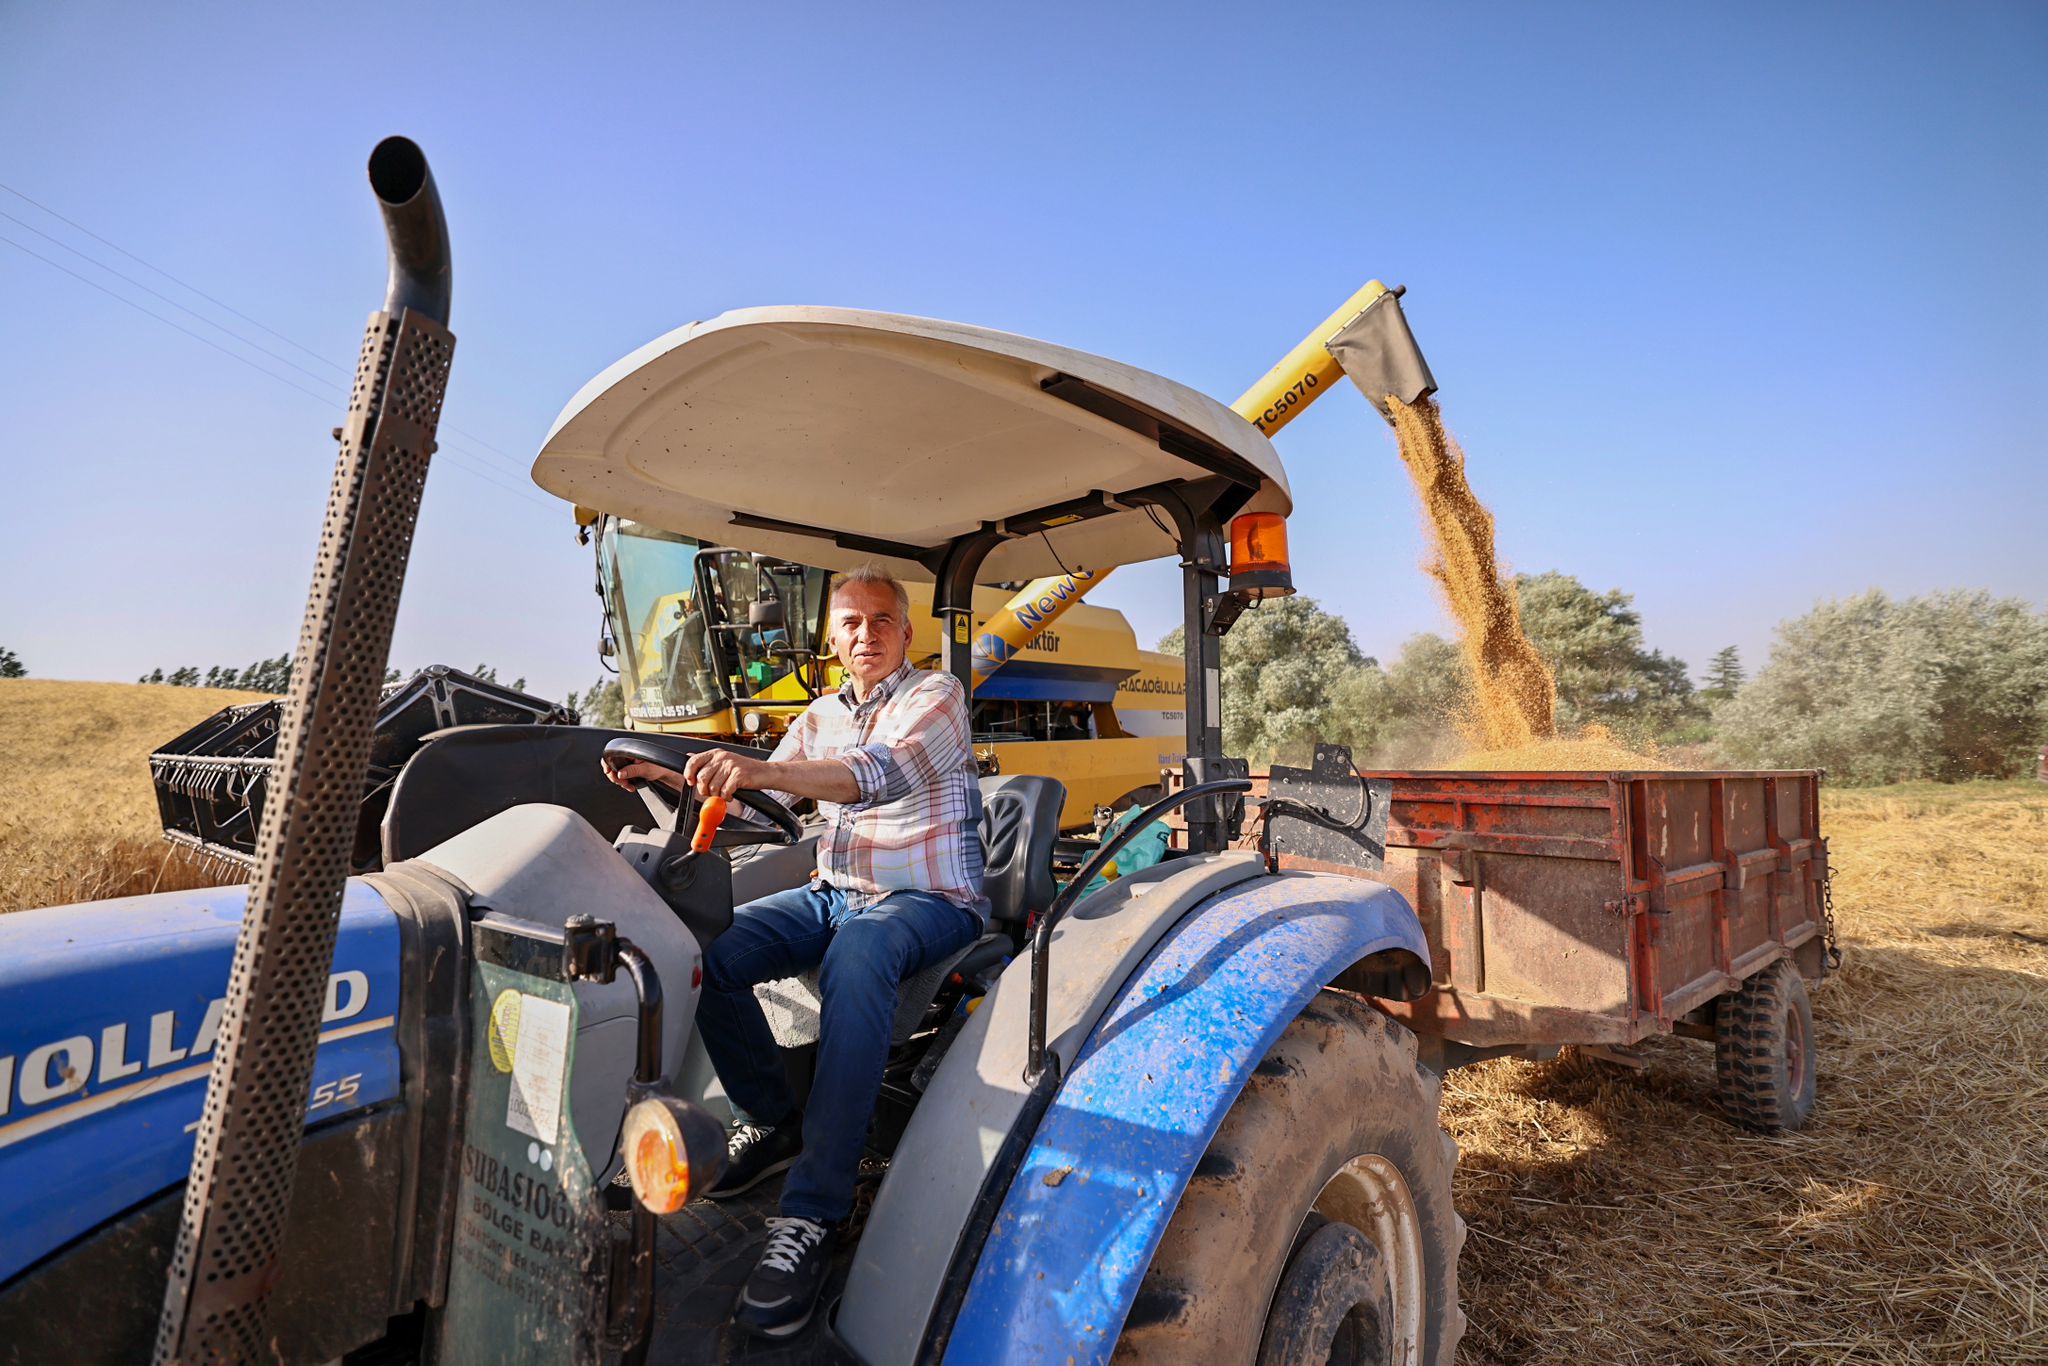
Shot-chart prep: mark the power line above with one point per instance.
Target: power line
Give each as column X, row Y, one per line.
column 231, row 355
column 254, row 346
column 517, row 465
column 324, row 360
column 326, row 401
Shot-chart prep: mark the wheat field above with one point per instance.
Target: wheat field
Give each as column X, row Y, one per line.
column 1615, row 1216
column 78, row 816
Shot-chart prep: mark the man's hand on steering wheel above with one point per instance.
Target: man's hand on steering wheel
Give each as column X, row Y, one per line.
column 672, row 776
column 720, row 773
column 641, row 771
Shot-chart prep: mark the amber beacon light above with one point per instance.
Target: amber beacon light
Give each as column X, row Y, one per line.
column 672, row 1148
column 1258, row 556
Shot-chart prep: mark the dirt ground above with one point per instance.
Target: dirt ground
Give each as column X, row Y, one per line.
column 1616, row 1217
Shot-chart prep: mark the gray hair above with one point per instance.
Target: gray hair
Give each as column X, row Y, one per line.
column 873, row 576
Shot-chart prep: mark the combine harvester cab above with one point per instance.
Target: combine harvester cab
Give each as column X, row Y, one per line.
column 1136, row 1120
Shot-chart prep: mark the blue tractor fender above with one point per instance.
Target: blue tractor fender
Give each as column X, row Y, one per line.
column 1146, row 1094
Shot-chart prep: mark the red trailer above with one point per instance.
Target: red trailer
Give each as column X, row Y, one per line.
column 1601, row 908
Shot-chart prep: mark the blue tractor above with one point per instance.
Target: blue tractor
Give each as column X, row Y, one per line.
column 378, row 1117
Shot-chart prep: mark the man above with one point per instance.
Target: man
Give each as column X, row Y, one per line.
column 889, row 761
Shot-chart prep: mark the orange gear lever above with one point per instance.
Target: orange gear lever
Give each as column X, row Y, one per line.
column 708, row 820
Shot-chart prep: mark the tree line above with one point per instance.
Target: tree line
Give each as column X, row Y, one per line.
column 275, row 676
column 602, row 705
column 1945, row 686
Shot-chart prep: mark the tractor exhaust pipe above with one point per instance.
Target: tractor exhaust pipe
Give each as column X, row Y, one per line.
column 414, row 228
column 238, row 1199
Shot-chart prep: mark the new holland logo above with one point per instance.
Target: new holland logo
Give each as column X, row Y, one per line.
column 132, row 1055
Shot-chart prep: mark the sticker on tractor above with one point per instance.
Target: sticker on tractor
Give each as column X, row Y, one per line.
column 540, row 1053
column 504, row 1029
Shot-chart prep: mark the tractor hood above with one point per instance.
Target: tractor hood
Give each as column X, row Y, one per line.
column 838, row 437
column 109, row 1013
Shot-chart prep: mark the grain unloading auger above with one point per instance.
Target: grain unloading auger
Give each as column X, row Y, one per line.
column 1366, row 337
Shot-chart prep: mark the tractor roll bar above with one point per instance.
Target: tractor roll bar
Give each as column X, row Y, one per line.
column 1041, row 937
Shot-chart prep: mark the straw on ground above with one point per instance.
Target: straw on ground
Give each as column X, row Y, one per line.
column 1618, row 1218
column 1615, row 1217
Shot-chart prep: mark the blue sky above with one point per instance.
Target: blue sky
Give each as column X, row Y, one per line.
column 1734, row 307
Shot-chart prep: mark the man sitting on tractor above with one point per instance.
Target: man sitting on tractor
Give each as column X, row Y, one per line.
column 898, row 886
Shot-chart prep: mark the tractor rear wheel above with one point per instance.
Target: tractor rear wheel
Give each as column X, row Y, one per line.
column 1318, row 1226
column 1763, row 1050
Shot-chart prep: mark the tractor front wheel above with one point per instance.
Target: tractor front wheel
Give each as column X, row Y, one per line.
column 1318, row 1226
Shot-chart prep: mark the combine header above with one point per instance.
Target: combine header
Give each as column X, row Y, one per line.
column 211, row 782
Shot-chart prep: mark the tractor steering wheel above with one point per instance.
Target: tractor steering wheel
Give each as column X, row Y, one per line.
column 673, row 812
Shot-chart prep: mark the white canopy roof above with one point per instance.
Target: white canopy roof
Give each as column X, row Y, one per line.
column 837, row 437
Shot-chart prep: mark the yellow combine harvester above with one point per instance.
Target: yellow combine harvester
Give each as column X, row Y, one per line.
column 723, row 642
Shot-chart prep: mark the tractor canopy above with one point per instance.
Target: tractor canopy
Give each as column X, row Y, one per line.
column 838, row 437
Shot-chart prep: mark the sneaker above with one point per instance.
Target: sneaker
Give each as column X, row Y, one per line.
column 755, row 1152
column 783, row 1290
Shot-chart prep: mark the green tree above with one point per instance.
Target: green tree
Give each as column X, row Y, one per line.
column 10, row 665
column 1948, row 686
column 1285, row 664
column 265, row 675
column 488, row 673
column 1724, row 676
column 1605, row 670
column 604, row 705
column 1428, row 686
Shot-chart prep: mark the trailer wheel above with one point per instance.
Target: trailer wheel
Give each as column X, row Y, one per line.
column 1763, row 1050
column 1318, row 1226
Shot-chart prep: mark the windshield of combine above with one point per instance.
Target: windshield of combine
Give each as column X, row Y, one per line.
column 755, row 654
column 691, row 631
column 650, row 585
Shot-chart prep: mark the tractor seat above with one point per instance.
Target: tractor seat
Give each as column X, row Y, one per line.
column 1020, row 821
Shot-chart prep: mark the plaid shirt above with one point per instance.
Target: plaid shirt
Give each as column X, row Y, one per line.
column 917, row 825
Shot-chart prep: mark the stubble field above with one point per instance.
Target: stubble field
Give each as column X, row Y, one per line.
column 1615, row 1216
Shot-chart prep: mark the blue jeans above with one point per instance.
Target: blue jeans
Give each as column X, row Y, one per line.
column 865, row 956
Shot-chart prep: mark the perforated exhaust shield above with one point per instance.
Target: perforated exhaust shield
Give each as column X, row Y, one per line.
column 238, row 1198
